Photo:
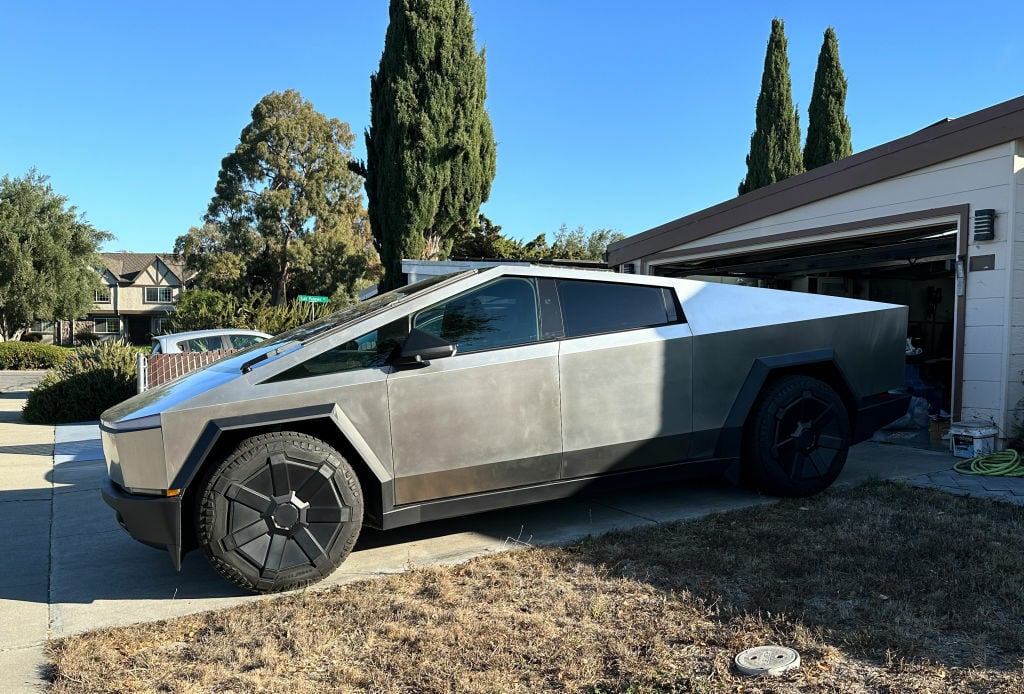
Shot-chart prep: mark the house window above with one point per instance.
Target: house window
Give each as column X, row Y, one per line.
column 101, row 296
column 158, row 295
column 41, row 326
column 106, row 326
column 158, row 325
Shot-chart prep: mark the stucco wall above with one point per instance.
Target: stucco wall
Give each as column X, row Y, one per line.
column 132, row 298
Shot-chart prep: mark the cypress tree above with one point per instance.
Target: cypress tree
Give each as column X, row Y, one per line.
column 775, row 143
column 828, row 131
column 430, row 147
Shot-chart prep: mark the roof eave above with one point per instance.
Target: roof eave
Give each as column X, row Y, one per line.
column 942, row 141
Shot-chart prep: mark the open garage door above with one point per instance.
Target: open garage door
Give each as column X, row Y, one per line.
column 916, row 267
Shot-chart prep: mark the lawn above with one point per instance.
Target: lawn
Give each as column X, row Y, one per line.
column 881, row 588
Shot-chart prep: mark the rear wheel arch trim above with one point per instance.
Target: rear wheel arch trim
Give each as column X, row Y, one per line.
column 761, row 372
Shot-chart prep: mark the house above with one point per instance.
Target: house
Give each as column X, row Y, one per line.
column 934, row 220
column 139, row 291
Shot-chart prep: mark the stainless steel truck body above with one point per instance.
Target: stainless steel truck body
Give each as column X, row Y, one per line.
column 489, row 389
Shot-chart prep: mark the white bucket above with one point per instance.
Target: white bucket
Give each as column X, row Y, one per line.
column 972, row 438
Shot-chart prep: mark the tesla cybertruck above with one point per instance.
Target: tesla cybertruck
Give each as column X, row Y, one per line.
column 489, row 389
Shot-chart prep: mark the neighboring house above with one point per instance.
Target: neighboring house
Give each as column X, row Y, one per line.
column 139, row 292
column 933, row 220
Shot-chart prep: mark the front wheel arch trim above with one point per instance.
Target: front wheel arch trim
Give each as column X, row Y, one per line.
column 216, row 428
column 220, row 434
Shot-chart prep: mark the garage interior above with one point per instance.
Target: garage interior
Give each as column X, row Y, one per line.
column 916, row 267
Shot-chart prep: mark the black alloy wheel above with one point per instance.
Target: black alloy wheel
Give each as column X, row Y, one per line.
column 797, row 437
column 282, row 511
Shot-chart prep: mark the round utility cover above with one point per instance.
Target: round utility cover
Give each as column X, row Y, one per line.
column 767, row 660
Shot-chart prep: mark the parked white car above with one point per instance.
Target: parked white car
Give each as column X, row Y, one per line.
column 206, row 340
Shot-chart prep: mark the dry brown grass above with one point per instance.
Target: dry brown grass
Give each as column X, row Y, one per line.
column 882, row 588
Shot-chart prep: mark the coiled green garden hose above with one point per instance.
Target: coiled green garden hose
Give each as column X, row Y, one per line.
column 1006, row 463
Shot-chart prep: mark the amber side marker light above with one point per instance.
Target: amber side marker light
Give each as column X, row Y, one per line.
column 172, row 492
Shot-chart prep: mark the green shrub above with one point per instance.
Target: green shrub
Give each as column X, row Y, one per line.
column 93, row 379
column 86, row 337
column 201, row 309
column 31, row 355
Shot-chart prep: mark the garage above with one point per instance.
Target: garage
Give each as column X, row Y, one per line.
column 934, row 220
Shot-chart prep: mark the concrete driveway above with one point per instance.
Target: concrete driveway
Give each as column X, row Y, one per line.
column 68, row 567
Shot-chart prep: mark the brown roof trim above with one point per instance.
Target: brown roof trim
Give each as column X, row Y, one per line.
column 937, row 143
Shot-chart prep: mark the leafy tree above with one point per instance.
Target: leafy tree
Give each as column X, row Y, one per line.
column 230, row 264
column 335, row 262
column 47, row 254
column 287, row 178
column 430, row 146
column 775, row 144
column 828, row 131
column 201, row 309
column 485, row 240
column 579, row 245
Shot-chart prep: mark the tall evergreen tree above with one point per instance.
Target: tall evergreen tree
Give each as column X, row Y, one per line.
column 430, row 147
column 775, row 144
column 828, row 131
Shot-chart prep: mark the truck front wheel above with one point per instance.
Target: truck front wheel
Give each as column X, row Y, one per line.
column 283, row 510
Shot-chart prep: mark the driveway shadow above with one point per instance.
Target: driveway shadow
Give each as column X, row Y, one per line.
column 95, row 560
column 99, row 576
column 40, row 449
column 14, row 395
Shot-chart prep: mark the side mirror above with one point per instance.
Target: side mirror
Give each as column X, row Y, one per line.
column 420, row 347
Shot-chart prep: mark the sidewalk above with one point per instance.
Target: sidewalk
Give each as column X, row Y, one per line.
column 68, row 568
column 26, row 506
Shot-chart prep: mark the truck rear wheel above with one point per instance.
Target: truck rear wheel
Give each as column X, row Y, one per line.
column 797, row 437
column 280, row 512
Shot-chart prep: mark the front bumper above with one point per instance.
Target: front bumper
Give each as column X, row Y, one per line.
column 152, row 520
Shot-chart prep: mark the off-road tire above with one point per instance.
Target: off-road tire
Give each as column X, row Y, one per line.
column 797, row 437
column 282, row 511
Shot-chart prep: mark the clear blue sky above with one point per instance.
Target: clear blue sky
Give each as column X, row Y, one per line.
column 607, row 114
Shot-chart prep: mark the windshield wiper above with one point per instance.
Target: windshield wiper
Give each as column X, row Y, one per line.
column 247, row 366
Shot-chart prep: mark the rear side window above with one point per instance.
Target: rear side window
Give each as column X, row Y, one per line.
column 590, row 308
column 243, row 341
column 202, row 344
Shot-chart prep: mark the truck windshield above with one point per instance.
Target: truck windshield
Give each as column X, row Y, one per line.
column 323, row 326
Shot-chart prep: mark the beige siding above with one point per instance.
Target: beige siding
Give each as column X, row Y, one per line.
column 979, row 178
column 1015, row 388
column 993, row 355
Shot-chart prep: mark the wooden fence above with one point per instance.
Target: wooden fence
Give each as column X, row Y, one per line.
column 155, row 369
